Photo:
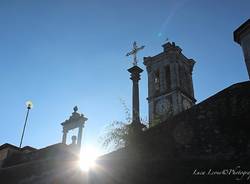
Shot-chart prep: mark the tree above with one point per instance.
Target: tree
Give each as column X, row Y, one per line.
column 116, row 133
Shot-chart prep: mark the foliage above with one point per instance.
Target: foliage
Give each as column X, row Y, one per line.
column 116, row 133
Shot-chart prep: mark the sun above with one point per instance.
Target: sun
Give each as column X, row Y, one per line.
column 87, row 158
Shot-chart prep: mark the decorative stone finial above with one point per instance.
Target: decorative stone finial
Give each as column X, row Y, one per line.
column 171, row 47
column 75, row 109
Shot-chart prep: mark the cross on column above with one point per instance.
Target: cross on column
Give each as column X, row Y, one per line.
column 134, row 52
column 136, row 126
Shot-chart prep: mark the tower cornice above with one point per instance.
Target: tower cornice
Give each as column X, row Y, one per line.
column 241, row 31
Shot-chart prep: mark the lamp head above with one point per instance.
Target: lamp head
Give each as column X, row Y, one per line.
column 29, row 104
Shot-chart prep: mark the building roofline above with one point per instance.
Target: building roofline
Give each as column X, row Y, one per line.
column 7, row 145
column 28, row 148
column 241, row 30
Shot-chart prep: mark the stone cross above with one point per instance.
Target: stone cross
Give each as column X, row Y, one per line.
column 134, row 52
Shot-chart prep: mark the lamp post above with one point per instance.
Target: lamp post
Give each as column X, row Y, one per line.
column 29, row 105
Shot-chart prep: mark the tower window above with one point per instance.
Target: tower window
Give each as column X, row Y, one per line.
column 168, row 78
column 157, row 80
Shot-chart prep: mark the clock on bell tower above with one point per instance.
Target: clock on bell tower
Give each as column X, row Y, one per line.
column 170, row 84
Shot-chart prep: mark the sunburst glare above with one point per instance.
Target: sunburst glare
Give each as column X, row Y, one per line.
column 88, row 157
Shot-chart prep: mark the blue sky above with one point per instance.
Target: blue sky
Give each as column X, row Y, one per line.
column 65, row 53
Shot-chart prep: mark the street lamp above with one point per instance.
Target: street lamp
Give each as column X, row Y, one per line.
column 29, row 105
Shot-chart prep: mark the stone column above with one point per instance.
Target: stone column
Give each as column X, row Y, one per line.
column 79, row 137
column 135, row 77
column 64, row 138
column 242, row 37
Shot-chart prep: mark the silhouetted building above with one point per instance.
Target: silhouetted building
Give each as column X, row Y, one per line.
column 7, row 149
column 242, row 37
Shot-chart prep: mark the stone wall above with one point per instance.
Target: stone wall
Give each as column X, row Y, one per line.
column 218, row 126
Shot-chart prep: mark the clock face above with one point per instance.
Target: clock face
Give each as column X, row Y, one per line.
column 162, row 106
column 186, row 104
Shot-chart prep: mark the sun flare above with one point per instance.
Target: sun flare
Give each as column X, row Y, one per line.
column 88, row 158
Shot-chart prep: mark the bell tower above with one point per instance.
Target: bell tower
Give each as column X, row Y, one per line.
column 170, row 84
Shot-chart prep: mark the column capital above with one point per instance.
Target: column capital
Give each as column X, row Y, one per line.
column 135, row 73
column 135, row 69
